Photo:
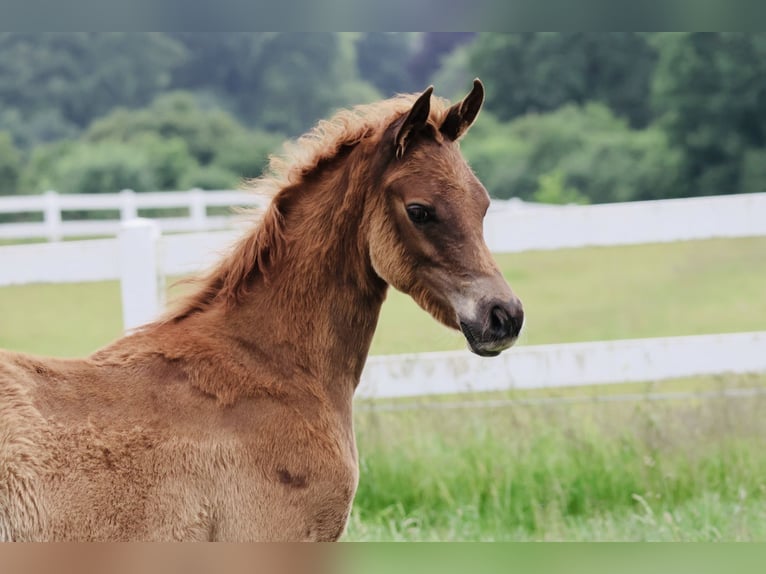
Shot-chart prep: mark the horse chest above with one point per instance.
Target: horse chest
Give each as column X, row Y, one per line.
column 291, row 502
column 298, row 486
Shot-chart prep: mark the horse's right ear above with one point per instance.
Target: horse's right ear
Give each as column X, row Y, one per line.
column 460, row 116
column 416, row 119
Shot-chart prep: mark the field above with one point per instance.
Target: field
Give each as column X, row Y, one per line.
column 583, row 469
column 691, row 470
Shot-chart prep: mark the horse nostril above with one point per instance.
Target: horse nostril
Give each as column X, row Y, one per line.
column 506, row 320
column 500, row 322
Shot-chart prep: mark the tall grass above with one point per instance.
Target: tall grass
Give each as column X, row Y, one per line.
column 599, row 471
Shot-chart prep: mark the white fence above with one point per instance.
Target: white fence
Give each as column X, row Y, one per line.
column 510, row 226
column 52, row 206
column 564, row 365
column 555, row 227
column 141, row 257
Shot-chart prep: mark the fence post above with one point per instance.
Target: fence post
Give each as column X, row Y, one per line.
column 140, row 277
column 128, row 208
column 52, row 215
column 197, row 209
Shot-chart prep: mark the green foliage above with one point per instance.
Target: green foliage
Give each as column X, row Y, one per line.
column 104, row 168
column 709, row 90
column 10, row 165
column 172, row 115
column 182, row 101
column 382, row 60
column 210, row 177
column 552, row 189
column 432, row 49
column 203, row 147
column 82, row 75
column 455, row 75
column 146, row 163
column 597, row 153
column 36, row 127
column 281, row 82
column 39, row 173
column 539, row 72
column 753, row 178
column 211, row 135
column 169, row 159
column 303, row 77
column 247, row 153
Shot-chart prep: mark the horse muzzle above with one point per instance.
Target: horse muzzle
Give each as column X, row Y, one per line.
column 495, row 327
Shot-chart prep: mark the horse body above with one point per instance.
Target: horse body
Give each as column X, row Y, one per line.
column 231, row 417
column 127, row 445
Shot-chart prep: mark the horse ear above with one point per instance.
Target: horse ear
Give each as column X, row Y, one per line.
column 460, row 116
column 415, row 120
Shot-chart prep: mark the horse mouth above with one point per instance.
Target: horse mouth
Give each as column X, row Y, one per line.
column 479, row 347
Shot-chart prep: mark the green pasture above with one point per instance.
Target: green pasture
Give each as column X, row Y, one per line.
column 672, row 470
column 598, row 293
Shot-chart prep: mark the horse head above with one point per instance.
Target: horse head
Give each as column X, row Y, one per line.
column 426, row 234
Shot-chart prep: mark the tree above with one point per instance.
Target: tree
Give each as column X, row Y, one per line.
column 433, row 48
column 382, row 60
column 174, row 143
column 205, row 131
column 553, row 189
column 710, row 91
column 593, row 152
column 283, row 82
column 82, row 75
column 303, row 78
column 104, row 168
column 10, row 165
column 540, row 72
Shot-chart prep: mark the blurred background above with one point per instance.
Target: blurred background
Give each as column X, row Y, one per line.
column 569, row 117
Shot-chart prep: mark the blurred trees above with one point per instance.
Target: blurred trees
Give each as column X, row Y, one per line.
column 10, row 165
column 569, row 116
column 64, row 80
column 710, row 92
column 382, row 58
column 595, row 153
column 277, row 81
column 174, row 143
column 539, row 72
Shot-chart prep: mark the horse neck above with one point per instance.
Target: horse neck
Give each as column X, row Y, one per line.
column 314, row 312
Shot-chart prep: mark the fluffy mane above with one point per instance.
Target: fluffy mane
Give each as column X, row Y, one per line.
column 229, row 279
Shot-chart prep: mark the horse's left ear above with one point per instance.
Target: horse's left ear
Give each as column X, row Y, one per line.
column 416, row 119
column 460, row 116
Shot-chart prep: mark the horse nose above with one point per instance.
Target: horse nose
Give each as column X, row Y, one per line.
column 506, row 319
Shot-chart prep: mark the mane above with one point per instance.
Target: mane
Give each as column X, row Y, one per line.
column 228, row 281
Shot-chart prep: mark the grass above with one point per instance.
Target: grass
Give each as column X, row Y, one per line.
column 661, row 470
column 600, row 293
column 61, row 320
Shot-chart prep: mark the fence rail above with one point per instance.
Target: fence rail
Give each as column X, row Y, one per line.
column 52, row 206
column 564, row 365
column 510, row 226
column 141, row 256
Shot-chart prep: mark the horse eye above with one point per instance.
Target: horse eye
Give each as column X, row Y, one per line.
column 418, row 213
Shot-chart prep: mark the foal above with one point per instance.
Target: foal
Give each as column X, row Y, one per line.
column 230, row 417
